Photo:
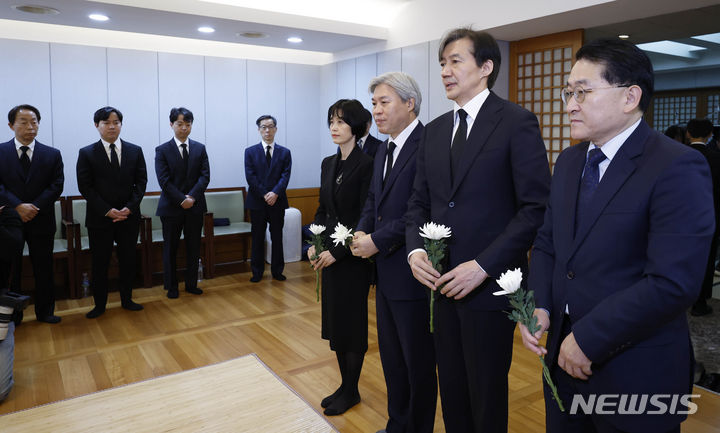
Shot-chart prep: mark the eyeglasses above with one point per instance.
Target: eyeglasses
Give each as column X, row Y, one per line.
column 579, row 93
column 266, row 127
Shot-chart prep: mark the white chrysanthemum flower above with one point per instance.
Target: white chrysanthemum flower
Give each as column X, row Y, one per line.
column 341, row 234
column 509, row 282
column 435, row 231
column 316, row 229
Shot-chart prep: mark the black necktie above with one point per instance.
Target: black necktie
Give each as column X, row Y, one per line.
column 114, row 161
column 268, row 157
column 360, row 143
column 185, row 155
column 458, row 141
column 388, row 167
column 25, row 160
column 589, row 183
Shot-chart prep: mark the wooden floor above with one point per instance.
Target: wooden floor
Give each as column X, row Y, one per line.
column 279, row 321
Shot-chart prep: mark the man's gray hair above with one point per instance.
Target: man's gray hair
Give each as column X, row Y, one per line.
column 404, row 85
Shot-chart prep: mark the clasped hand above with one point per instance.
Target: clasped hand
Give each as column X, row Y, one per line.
column 323, row 260
column 118, row 215
column 571, row 357
column 362, row 245
column 456, row 283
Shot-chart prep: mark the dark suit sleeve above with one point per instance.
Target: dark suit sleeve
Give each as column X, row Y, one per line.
column 282, row 184
column 418, row 212
column 255, row 186
column 680, row 227
column 321, row 212
column 50, row 194
column 8, row 198
column 542, row 261
column 531, row 182
column 162, row 171
column 204, row 178
column 367, row 218
column 390, row 237
column 139, row 181
column 86, row 183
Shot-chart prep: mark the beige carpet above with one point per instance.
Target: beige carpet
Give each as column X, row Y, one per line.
column 240, row 395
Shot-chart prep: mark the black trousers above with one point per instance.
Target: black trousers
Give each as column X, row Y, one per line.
column 259, row 219
column 40, row 247
column 474, row 351
column 191, row 225
column 408, row 360
column 125, row 235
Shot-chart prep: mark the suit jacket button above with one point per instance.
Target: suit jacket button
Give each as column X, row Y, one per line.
column 379, row 217
column 570, row 275
column 451, row 204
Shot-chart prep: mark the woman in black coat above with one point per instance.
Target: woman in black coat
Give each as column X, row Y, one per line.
column 344, row 182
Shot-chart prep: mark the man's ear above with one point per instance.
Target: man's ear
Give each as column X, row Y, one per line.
column 633, row 95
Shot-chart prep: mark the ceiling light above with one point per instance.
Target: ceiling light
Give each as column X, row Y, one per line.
column 40, row 10
column 98, row 17
column 294, row 39
column 206, row 29
column 624, row 36
column 712, row 37
column 672, row 48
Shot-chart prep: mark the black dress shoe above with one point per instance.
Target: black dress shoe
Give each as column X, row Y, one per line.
column 95, row 312
column 256, row 278
column 341, row 404
column 279, row 277
column 701, row 310
column 49, row 319
column 172, row 294
column 195, row 291
column 132, row 306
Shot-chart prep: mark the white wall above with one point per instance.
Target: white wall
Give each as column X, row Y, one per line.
column 67, row 83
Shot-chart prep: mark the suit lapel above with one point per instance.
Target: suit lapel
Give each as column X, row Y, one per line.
column 38, row 155
column 437, row 152
column 11, row 155
column 100, row 155
column 407, row 152
column 571, row 185
column 483, row 126
column 620, row 169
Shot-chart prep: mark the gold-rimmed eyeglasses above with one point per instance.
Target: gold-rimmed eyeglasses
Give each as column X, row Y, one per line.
column 579, row 93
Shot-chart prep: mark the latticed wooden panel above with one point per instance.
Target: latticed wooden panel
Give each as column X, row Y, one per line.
column 673, row 110
column 539, row 70
column 713, row 108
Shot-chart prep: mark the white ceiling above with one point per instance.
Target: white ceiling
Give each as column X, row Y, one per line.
column 331, row 29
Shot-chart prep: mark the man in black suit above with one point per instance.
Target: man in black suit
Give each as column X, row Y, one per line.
column 267, row 170
column 112, row 176
column 31, row 179
column 482, row 170
column 367, row 142
column 406, row 345
column 183, row 172
column 698, row 133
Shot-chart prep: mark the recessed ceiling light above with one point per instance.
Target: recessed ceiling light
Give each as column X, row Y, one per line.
column 294, row 39
column 98, row 17
column 32, row 9
column 624, row 36
column 252, row 35
column 206, row 29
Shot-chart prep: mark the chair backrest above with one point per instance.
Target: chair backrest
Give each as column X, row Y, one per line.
column 226, row 204
column 58, row 220
column 148, row 207
column 79, row 208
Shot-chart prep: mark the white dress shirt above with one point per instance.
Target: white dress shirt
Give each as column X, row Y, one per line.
column 18, row 145
column 472, row 108
column 272, row 147
column 118, row 150
column 179, row 143
column 400, row 142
